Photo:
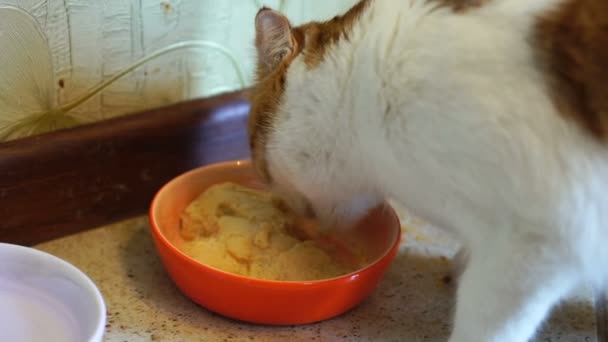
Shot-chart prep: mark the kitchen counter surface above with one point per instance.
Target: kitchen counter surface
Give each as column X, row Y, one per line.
column 413, row 302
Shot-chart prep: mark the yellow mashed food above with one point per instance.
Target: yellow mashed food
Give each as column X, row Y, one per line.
column 253, row 233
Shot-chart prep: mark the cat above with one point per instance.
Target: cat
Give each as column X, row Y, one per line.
column 488, row 118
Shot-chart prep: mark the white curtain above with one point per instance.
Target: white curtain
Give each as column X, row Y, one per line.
column 90, row 40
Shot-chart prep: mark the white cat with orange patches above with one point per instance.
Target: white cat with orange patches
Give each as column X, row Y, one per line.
column 488, row 118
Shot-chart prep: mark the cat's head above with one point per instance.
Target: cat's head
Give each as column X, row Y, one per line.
column 289, row 153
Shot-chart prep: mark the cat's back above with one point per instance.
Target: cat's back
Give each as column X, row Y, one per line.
column 511, row 96
column 497, row 49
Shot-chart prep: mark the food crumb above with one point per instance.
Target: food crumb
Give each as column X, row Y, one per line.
column 253, row 233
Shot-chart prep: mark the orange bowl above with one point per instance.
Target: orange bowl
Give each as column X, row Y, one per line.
column 265, row 301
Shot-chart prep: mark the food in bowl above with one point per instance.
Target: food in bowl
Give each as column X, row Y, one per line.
column 253, row 233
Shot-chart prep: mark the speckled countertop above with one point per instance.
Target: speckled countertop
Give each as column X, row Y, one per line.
column 411, row 304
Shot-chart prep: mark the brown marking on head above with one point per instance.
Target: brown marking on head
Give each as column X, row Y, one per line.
column 572, row 48
column 322, row 35
column 277, row 44
column 459, row 6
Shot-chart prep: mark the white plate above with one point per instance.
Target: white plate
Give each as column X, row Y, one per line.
column 46, row 299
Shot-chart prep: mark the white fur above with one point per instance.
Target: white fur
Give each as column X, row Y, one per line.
column 448, row 115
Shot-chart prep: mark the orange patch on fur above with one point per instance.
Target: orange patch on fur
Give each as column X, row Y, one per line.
column 572, row 46
column 265, row 97
column 321, row 35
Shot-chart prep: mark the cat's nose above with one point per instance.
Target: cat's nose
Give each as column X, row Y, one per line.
column 327, row 217
column 343, row 216
column 299, row 205
column 305, row 209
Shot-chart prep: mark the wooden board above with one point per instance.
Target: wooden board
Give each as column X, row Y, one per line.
column 68, row 181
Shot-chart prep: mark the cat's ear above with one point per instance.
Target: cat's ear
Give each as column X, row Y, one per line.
column 274, row 40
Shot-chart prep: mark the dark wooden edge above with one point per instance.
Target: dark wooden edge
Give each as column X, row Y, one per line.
column 72, row 180
column 601, row 314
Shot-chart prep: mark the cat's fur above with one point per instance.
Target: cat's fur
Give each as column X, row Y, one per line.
column 486, row 117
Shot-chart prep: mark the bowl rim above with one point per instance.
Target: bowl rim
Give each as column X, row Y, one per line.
column 83, row 279
column 155, row 227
